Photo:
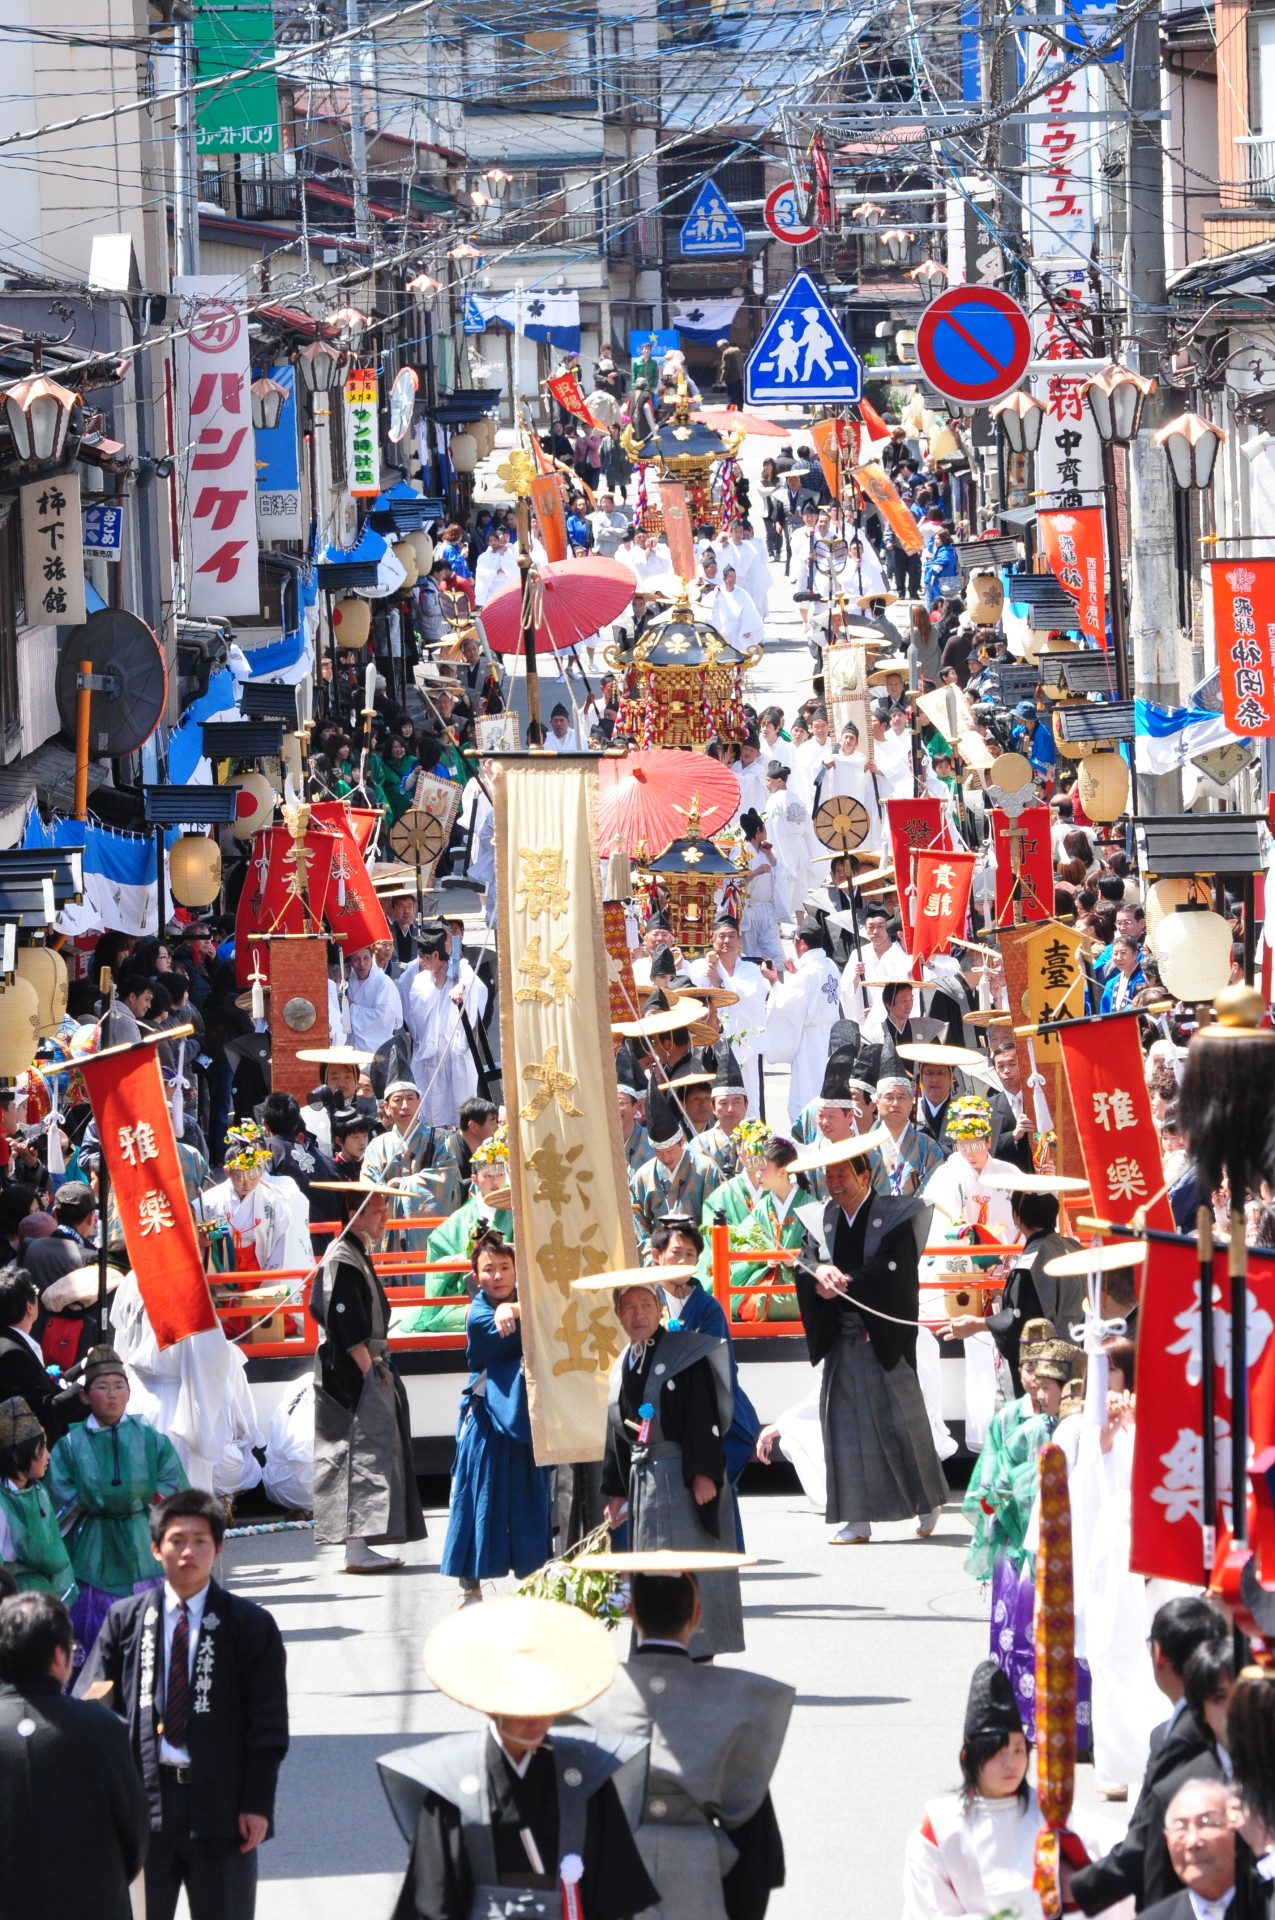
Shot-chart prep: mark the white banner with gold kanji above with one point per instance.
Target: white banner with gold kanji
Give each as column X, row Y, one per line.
column 566, row 1162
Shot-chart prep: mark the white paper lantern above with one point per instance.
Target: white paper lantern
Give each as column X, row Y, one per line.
column 1165, row 897
column 984, row 597
column 19, row 1027
column 464, row 451
column 405, row 554
column 44, row 969
column 1103, row 781
column 194, row 870
column 1193, row 953
column 352, row 622
column 423, row 547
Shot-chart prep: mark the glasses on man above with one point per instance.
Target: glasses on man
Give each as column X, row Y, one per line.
column 1197, row 1823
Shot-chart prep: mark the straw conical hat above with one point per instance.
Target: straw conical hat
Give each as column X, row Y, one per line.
column 1108, row 1259
column 1016, row 1182
column 522, row 1658
column 828, row 1153
column 664, row 1560
column 652, row 1277
column 336, row 1056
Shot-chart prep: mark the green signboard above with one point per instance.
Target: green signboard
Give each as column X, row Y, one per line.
column 243, row 115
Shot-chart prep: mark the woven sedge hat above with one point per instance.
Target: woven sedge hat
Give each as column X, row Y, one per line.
column 652, row 1278
column 521, row 1658
column 827, row 1153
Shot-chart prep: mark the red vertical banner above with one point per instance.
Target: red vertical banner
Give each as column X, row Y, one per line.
column 1107, row 1079
column 1244, row 632
column 915, row 825
column 943, row 882
column 1071, row 541
column 1024, row 865
column 830, row 438
column 565, row 388
column 678, row 531
column 135, row 1128
column 1168, row 1448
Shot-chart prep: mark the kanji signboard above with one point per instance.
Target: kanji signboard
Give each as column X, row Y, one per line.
column 1244, row 630
column 218, row 451
column 53, row 552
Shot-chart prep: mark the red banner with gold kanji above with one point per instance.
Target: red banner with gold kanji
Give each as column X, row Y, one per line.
column 565, row 389
column 1121, row 1149
column 1071, row 541
column 135, row 1128
column 1244, row 631
column 943, row 882
column 1024, row 866
column 1168, row 1448
column 915, row 825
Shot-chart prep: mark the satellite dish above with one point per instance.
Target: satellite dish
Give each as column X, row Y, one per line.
column 403, row 403
column 127, row 702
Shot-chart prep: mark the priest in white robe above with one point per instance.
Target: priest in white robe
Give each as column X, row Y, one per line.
column 436, row 1010
column 803, row 1007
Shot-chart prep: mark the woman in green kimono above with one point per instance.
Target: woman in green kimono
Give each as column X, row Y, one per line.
column 389, row 772
column 760, row 1208
column 105, row 1474
column 30, row 1539
column 1003, row 1484
column 487, row 1207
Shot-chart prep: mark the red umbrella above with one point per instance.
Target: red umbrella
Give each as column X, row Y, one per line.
column 731, row 419
column 575, row 598
column 647, row 797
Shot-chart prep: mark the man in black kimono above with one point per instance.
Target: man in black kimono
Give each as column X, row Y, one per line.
column 364, row 1479
column 199, row 1676
column 665, row 1467
column 856, row 1282
column 516, row 1818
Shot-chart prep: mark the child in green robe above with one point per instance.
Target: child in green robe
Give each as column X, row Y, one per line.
column 30, row 1540
column 105, row 1475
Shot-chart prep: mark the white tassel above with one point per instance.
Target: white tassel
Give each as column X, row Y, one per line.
column 258, row 988
column 54, row 1156
column 1036, row 1081
column 178, row 1101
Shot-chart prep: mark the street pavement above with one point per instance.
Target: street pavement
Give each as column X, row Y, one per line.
column 879, row 1642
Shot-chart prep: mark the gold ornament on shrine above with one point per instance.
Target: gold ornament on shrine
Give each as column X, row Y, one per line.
column 688, row 682
column 686, row 451
column 516, row 473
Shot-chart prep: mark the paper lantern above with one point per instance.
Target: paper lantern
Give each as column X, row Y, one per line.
column 1193, row 953
column 484, row 432
column 352, row 622
column 1103, row 781
column 1166, row 896
column 984, row 597
column 194, row 870
column 19, row 1027
column 423, row 547
column 255, row 805
column 405, row 554
column 45, row 970
column 464, row 452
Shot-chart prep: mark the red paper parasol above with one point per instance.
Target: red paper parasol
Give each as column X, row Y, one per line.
column 731, row 419
column 575, row 599
column 646, row 797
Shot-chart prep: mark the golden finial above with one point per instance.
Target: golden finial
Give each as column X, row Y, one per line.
column 517, row 471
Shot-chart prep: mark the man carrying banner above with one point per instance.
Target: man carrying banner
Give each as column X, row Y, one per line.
column 364, row 1481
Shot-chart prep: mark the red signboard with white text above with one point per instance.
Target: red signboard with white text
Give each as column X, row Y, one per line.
column 218, row 456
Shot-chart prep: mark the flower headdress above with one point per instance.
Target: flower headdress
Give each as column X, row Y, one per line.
column 753, row 1137
column 246, row 1148
column 969, row 1118
column 494, row 1151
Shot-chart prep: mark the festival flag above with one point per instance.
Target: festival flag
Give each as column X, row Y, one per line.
column 135, row 1128
column 1024, row 865
column 546, row 498
column 943, row 882
column 567, row 1174
column 831, row 444
column 565, row 388
column 678, row 531
column 873, row 480
column 360, row 822
column 1107, row 1078
column 915, row 824
column 1168, row 1448
column 1071, row 541
column 1244, row 631
column 285, row 895
column 1055, row 983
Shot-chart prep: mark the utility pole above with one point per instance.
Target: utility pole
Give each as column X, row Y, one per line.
column 1153, row 615
column 358, row 132
column 185, row 153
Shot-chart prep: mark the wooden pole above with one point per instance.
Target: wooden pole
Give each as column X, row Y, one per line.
column 535, row 727
column 83, row 706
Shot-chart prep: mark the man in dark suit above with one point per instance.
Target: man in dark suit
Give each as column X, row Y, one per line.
column 1201, row 1845
column 1179, row 1627
column 198, row 1674
column 22, row 1370
column 64, row 1771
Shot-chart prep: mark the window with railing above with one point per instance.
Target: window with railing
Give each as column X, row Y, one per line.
column 531, row 69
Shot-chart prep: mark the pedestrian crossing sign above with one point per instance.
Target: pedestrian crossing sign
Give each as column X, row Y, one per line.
column 802, row 355
column 710, row 226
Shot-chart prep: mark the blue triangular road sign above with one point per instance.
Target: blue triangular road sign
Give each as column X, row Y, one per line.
column 710, row 226
column 802, row 354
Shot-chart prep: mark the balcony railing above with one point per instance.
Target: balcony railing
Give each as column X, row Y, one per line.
column 1259, row 155
column 548, row 230
column 631, row 88
column 639, row 239
column 524, row 83
column 251, row 199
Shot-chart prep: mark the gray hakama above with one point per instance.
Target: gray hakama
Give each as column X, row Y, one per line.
column 878, row 1447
